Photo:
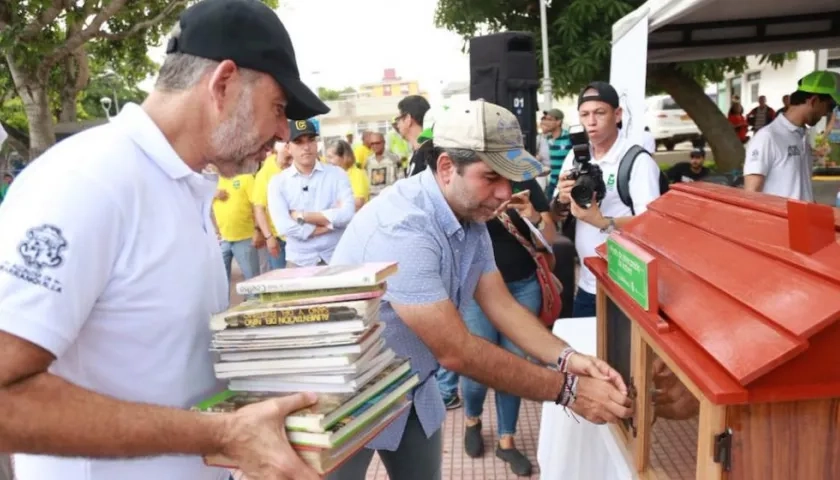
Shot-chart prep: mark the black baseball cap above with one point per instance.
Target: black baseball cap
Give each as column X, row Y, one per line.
column 698, row 152
column 605, row 93
column 299, row 128
column 250, row 34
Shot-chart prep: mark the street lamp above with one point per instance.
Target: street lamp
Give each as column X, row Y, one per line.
column 106, row 105
column 111, row 74
column 547, row 92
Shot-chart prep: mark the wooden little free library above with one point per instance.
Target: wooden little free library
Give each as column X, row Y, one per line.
column 739, row 295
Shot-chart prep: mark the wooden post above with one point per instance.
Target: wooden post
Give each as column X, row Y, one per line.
column 642, row 365
column 601, row 316
column 712, row 422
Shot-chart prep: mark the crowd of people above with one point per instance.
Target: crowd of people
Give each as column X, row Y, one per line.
column 108, row 281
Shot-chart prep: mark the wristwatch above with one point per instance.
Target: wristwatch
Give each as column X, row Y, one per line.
column 610, row 226
column 299, row 218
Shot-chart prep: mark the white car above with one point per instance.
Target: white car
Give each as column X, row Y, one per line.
column 668, row 123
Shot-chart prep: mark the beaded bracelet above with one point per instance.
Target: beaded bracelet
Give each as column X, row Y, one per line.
column 559, row 399
column 568, row 394
column 563, row 361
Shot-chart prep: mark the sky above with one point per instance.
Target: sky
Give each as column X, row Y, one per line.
column 341, row 43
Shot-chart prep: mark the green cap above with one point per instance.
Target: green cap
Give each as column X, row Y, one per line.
column 429, row 123
column 821, row 82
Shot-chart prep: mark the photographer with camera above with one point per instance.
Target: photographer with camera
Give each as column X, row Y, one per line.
column 605, row 180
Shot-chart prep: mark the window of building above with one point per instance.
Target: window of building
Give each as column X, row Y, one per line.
column 405, row 89
column 386, row 90
column 735, row 87
column 753, row 83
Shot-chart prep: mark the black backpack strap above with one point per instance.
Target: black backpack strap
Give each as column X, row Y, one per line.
column 625, row 167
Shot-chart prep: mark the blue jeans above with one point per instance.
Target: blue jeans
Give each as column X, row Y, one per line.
column 584, row 304
column 246, row 257
column 527, row 293
column 447, row 382
column 280, row 261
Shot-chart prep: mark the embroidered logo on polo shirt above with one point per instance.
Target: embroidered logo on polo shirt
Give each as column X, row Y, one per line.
column 42, row 248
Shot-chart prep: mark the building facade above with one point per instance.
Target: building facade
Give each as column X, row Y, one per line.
column 371, row 108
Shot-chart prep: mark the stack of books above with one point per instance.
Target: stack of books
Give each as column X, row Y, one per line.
column 313, row 329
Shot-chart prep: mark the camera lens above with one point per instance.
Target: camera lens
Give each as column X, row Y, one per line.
column 582, row 193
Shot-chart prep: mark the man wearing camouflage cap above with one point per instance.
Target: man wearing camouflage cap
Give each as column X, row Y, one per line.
column 436, row 219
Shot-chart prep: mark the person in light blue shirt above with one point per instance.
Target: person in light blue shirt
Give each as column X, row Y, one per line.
column 310, row 202
column 432, row 224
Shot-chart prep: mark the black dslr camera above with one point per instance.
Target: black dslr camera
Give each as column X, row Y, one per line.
column 589, row 180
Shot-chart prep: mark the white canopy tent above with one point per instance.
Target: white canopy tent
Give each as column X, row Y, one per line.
column 663, row 31
column 684, row 30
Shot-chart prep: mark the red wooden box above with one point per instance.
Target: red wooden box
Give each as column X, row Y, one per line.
column 746, row 313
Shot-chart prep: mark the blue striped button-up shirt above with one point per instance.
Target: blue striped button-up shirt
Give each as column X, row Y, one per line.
column 325, row 190
column 439, row 259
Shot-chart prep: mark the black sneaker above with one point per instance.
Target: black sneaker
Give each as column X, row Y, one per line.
column 473, row 443
column 519, row 463
column 453, row 402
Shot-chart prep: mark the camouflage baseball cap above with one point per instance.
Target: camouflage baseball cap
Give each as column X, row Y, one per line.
column 493, row 133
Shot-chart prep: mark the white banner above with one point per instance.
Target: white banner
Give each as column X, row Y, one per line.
column 628, row 73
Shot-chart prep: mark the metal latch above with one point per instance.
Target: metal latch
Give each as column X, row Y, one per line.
column 723, row 449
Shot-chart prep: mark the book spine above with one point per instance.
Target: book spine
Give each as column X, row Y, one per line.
column 305, row 284
column 292, row 316
column 323, row 294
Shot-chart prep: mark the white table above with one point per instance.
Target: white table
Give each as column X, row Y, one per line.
column 569, row 450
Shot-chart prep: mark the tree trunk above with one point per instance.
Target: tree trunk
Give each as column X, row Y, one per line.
column 727, row 149
column 76, row 73
column 33, row 93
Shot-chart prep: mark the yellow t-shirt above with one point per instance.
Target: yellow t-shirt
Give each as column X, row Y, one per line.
column 235, row 216
column 361, row 152
column 359, row 182
column 269, row 169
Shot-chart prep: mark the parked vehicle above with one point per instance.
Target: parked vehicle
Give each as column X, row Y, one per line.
column 669, row 123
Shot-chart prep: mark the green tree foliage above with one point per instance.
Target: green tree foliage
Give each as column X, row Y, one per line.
column 580, row 43
column 327, row 94
column 53, row 48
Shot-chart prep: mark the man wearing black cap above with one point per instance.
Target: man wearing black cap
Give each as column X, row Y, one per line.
column 690, row 171
column 600, row 114
column 107, row 281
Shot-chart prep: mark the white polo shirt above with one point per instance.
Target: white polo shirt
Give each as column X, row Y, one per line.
column 109, row 260
column 781, row 153
column 644, row 188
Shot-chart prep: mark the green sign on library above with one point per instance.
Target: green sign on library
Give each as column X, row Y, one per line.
column 629, row 272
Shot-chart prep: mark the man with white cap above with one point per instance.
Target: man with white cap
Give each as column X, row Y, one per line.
column 110, row 269
column 445, row 259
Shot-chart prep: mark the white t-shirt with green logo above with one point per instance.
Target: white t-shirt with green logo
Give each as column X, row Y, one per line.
column 644, row 188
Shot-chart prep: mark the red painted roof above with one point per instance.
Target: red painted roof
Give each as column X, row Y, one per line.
column 751, row 286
